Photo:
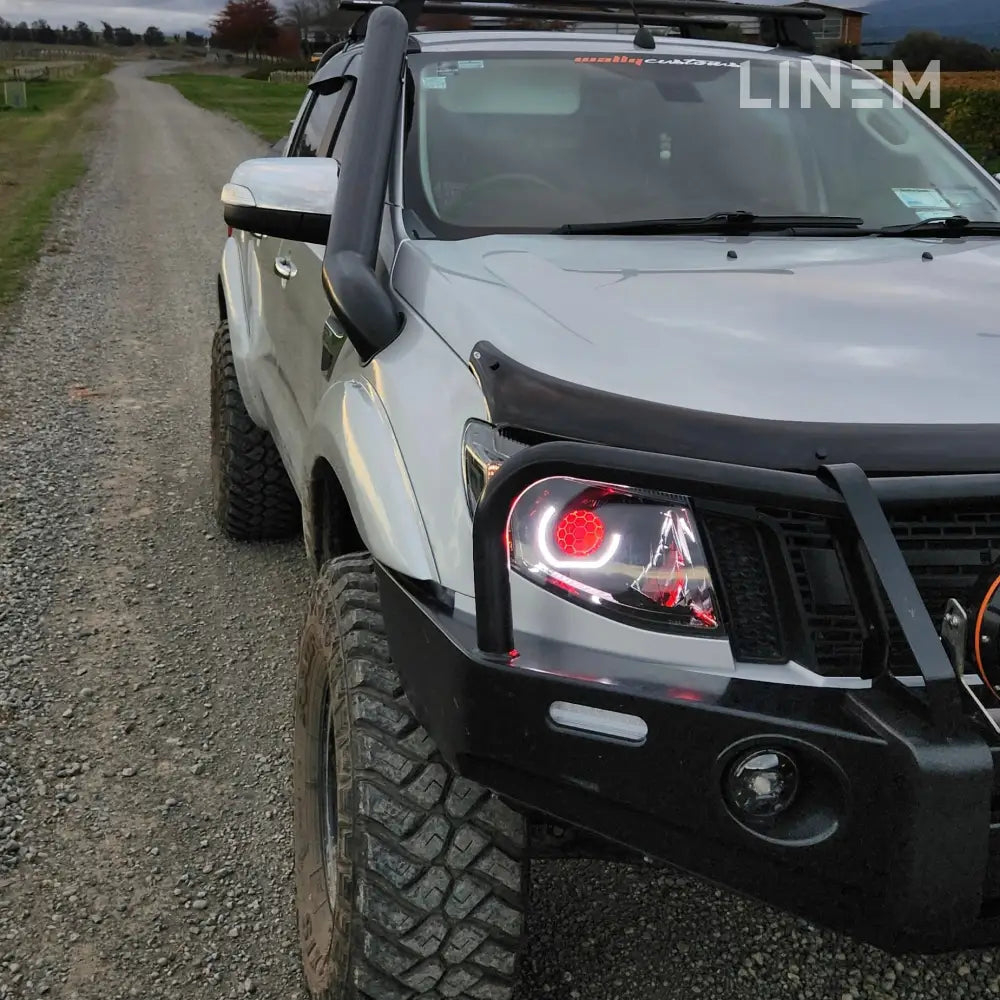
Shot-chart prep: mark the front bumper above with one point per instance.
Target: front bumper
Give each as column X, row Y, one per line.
column 895, row 837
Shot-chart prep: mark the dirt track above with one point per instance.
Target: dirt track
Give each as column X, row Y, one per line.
column 146, row 665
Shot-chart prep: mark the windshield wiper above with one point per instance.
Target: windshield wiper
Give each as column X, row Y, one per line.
column 719, row 223
column 947, row 225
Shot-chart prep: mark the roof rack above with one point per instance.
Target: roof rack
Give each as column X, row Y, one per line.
column 555, row 11
column 781, row 26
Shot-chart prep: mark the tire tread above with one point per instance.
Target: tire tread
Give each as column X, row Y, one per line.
column 438, row 862
column 254, row 498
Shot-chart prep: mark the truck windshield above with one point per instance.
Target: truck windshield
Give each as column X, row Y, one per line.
column 531, row 142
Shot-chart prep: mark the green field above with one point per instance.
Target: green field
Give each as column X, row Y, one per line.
column 41, row 155
column 265, row 108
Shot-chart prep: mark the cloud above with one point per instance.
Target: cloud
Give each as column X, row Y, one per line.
column 170, row 15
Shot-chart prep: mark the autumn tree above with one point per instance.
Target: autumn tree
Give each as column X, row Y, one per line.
column 246, row 26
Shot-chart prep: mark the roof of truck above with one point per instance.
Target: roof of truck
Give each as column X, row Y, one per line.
column 592, row 40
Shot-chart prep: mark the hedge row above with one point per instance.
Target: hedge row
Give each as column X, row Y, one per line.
column 288, row 66
column 973, row 119
column 971, row 116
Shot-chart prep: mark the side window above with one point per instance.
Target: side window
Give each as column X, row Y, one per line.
column 342, row 136
column 325, row 111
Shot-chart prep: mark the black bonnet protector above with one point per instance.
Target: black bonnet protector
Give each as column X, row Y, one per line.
column 522, row 399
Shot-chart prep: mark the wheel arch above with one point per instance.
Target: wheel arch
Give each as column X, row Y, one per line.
column 359, row 487
column 329, row 527
column 233, row 310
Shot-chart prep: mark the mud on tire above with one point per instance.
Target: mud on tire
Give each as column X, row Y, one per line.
column 424, row 893
column 254, row 499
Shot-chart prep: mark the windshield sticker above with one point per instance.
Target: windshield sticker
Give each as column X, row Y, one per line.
column 645, row 61
column 961, row 197
column 451, row 68
column 922, row 198
column 435, row 82
column 930, row 213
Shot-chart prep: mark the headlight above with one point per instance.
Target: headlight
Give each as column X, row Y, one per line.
column 484, row 449
column 631, row 554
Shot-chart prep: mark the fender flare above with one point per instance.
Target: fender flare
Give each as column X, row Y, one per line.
column 366, row 459
column 232, row 303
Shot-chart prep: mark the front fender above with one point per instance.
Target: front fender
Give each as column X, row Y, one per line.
column 231, row 277
column 366, row 459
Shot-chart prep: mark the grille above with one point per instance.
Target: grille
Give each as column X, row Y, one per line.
column 831, row 617
column 746, row 591
column 947, row 551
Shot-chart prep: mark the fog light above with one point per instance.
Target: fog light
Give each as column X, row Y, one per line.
column 763, row 784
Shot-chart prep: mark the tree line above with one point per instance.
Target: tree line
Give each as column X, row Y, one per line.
column 919, row 49
column 956, row 55
column 82, row 34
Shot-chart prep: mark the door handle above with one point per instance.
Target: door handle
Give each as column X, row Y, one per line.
column 284, row 268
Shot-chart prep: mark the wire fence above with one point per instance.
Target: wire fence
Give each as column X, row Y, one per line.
column 42, row 71
column 12, row 51
column 290, row 76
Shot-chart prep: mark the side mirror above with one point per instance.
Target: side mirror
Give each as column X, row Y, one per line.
column 285, row 197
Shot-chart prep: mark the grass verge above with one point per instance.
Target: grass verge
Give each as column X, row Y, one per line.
column 265, row 108
column 41, row 155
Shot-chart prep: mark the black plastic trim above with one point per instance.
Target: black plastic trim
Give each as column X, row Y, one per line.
column 784, row 603
column 359, row 299
column 904, row 863
column 876, row 535
column 304, row 227
column 556, row 11
column 522, row 398
column 364, row 173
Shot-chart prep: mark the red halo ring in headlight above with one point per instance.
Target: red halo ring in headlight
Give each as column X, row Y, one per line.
column 579, row 533
column 545, row 536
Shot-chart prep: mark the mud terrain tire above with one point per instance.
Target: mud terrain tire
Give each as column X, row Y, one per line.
column 426, row 869
column 254, row 499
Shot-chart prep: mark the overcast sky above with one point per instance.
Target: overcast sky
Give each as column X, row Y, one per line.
column 170, row 15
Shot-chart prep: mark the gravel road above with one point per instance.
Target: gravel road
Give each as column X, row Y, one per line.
column 146, row 665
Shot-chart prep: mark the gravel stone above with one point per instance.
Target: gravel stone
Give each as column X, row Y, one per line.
column 174, row 650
